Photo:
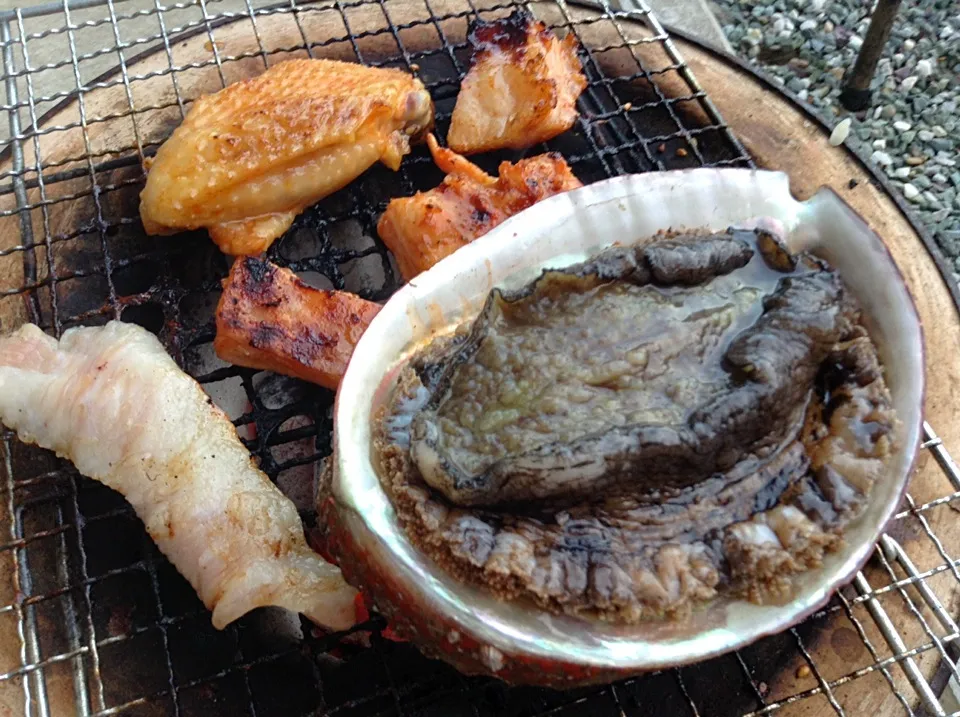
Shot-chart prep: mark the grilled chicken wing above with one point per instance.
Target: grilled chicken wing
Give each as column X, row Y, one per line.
column 248, row 159
column 111, row 400
column 269, row 319
column 521, row 89
column 423, row 229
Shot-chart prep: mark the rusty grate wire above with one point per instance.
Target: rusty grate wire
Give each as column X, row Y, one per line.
column 93, row 620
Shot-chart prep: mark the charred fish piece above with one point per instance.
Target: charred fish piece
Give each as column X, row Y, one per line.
column 522, row 87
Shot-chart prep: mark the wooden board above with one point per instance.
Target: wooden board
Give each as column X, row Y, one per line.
column 775, row 131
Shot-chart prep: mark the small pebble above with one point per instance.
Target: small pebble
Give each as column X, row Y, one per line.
column 681, row 152
column 879, row 144
column 795, row 85
column 924, row 68
column 909, row 83
column 855, row 42
column 915, row 161
column 910, row 191
column 924, row 135
column 840, row 132
column 881, row 158
column 803, row 671
column 901, row 172
column 902, row 126
column 908, row 45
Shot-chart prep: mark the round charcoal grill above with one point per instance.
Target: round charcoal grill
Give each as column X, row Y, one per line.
column 94, row 621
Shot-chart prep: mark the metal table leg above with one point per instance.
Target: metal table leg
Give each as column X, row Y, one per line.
column 856, row 93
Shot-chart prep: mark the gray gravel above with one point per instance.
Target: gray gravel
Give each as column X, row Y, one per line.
column 912, row 131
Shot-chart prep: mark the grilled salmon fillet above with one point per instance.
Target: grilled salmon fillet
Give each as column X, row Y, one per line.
column 247, row 159
column 269, row 319
column 110, row 399
column 423, row 229
column 522, row 87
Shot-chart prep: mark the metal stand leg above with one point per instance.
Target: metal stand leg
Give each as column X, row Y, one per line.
column 856, row 94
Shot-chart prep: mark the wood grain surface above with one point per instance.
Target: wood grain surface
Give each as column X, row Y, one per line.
column 776, row 133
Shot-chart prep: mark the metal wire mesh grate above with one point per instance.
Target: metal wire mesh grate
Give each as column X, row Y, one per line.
column 93, row 620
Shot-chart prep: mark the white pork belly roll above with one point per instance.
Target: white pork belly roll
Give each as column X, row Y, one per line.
column 111, row 400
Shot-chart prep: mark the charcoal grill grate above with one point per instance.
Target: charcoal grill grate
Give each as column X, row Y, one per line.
column 92, row 618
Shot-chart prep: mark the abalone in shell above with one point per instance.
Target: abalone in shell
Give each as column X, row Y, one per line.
column 628, row 436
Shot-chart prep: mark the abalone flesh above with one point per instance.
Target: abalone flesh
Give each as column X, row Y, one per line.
column 632, row 435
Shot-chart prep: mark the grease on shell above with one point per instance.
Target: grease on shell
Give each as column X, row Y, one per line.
column 562, row 450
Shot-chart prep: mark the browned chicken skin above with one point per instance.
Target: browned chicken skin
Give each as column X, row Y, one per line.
column 249, row 158
column 521, row 89
column 423, row 229
column 269, row 319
